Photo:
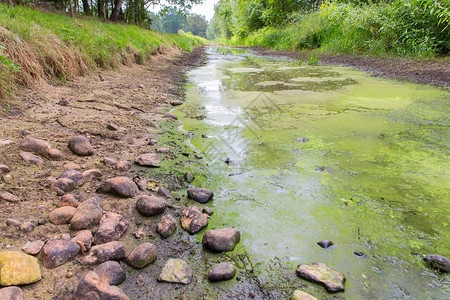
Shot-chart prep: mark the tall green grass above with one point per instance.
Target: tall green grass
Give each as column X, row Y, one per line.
column 417, row 28
column 47, row 45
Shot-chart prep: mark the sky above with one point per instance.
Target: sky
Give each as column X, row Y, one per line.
column 206, row 8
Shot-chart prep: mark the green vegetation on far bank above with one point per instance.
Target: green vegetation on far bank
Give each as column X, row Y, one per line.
column 416, row 28
column 38, row 46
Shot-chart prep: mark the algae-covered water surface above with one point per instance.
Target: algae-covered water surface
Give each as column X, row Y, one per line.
column 298, row 154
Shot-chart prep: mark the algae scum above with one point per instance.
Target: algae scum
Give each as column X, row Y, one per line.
column 298, row 154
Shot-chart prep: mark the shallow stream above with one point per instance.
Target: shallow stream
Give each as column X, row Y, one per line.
column 298, row 154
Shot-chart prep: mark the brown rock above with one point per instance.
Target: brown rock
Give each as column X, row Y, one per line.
column 123, row 165
column 148, row 160
column 88, row 214
column 111, row 272
column 31, row 144
column 207, row 210
column 81, row 146
column 171, row 116
column 110, row 162
column 91, row 287
column 299, row 295
column 11, row 293
column 222, row 271
column 74, row 175
column 163, row 150
column 9, row 197
column 167, row 226
column 55, row 154
column 162, row 191
column 71, row 165
column 101, row 253
column 26, row 227
column 68, row 200
column 176, row 102
column 63, row 185
column 84, row 239
column 142, row 255
column 62, row 215
column 142, row 183
column 123, row 186
column 13, row 222
column 151, row 205
column 5, row 142
column 33, row 248
column 92, row 173
column 221, row 240
column 4, row 169
column 112, row 227
column 112, row 127
column 58, row 252
column 31, row 158
column 192, row 220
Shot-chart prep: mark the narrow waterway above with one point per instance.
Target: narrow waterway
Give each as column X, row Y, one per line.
column 298, row 154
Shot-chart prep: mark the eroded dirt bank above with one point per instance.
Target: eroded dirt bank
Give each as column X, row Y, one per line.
column 433, row 71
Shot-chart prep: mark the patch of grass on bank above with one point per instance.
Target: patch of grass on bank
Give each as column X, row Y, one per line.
column 415, row 28
column 38, row 46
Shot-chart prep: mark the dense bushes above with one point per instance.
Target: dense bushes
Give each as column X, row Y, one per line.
column 417, row 28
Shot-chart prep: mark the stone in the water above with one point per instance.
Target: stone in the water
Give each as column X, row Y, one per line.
column 150, row 205
column 299, row 295
column 200, row 195
column 438, row 262
column 4, row 169
column 33, row 248
column 101, row 253
column 38, row 146
column 358, row 253
column 167, row 226
column 221, row 240
column 81, row 146
column 67, row 200
column 7, row 196
column 222, row 271
column 111, row 272
column 123, row 165
column 88, row 214
column 63, row 185
column 31, row 158
column 122, row 186
column 11, row 262
column 112, row 227
column 176, row 102
column 189, row 177
column 109, row 161
column 92, row 287
column 62, row 215
column 192, row 220
column 84, row 239
column 142, row 255
column 176, row 271
column 55, row 253
column 325, row 244
column 170, row 116
column 321, row 273
column 74, row 175
column 92, row 173
column 11, row 293
column 148, row 160
column 207, row 210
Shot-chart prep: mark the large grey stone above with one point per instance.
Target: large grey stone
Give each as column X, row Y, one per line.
column 166, row 226
column 142, row 255
column 222, row 271
column 58, row 252
column 151, row 205
column 111, row 271
column 31, row 144
column 88, row 214
column 122, row 186
column 221, row 240
column 81, row 146
column 62, row 215
column 112, row 227
column 101, row 253
column 200, row 195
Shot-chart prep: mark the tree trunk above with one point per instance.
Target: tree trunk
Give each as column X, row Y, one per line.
column 71, row 8
column 116, row 10
column 86, row 7
column 101, row 9
column 10, row 2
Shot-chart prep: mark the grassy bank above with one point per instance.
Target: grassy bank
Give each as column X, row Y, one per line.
column 414, row 28
column 37, row 46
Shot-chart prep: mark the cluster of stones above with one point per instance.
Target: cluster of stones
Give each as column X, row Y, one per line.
column 97, row 233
